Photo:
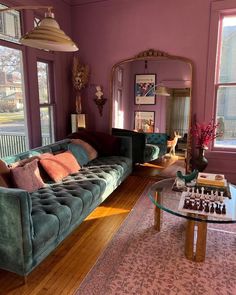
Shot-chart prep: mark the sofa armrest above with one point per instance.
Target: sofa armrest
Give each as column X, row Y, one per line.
column 138, row 143
column 15, row 230
column 125, row 146
column 159, row 139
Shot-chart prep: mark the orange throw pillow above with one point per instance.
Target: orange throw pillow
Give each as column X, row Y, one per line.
column 60, row 165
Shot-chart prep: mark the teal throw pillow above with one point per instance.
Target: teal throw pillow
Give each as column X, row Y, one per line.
column 79, row 153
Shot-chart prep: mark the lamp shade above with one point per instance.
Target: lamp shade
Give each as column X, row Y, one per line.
column 48, row 35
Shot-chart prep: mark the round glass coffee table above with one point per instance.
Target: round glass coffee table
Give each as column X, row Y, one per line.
column 165, row 199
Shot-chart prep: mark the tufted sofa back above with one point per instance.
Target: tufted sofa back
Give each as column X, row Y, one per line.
column 51, row 148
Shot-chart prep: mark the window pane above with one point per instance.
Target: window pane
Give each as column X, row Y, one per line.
column 228, row 51
column 10, row 28
column 46, row 124
column 43, row 82
column 226, row 116
column 13, row 131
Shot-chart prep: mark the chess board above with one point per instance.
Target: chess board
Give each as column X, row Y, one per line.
column 215, row 205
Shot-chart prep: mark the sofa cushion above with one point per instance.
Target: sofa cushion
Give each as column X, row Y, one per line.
column 79, row 153
column 105, row 144
column 5, row 175
column 60, row 165
column 57, row 208
column 91, row 152
column 28, row 177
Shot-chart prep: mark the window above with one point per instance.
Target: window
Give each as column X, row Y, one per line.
column 45, row 102
column 225, row 82
column 13, row 129
column 10, row 29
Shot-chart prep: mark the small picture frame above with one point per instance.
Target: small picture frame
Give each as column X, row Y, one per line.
column 144, row 89
column 144, row 121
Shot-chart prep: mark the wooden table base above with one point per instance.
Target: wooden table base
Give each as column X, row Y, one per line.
column 195, row 242
column 157, row 214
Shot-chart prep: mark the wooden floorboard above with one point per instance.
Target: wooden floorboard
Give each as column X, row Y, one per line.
column 63, row 270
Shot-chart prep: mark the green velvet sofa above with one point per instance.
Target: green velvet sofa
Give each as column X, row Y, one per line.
column 146, row 147
column 33, row 224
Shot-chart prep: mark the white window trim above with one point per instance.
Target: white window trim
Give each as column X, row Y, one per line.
column 218, row 9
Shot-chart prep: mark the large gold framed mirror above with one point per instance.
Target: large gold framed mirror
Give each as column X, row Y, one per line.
column 169, row 112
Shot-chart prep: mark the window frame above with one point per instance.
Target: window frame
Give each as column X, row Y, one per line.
column 218, row 11
column 18, row 46
column 51, row 103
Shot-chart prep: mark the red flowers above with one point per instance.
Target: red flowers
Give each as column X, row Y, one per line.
column 205, row 133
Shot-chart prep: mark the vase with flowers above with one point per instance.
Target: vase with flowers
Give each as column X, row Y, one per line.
column 204, row 134
column 80, row 78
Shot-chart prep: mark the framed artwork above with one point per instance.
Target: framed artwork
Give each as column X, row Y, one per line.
column 144, row 121
column 144, row 89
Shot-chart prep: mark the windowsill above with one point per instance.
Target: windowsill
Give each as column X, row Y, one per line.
column 222, row 154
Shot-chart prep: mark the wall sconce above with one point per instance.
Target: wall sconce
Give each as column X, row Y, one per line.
column 99, row 100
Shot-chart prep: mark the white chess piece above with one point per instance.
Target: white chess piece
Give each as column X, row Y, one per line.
column 221, row 197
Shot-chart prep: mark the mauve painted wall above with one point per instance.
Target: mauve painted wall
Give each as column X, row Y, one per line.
column 110, row 31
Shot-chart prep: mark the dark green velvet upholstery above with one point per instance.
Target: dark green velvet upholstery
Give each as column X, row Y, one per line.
column 33, row 224
column 146, row 147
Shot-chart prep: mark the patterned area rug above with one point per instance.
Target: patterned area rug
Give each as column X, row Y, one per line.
column 140, row 260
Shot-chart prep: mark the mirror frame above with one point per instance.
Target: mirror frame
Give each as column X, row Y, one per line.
column 152, row 54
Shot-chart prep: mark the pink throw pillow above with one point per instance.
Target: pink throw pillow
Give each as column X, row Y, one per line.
column 60, row 165
column 92, row 153
column 27, row 177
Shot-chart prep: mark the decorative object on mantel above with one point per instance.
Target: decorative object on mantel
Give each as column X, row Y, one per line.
column 99, row 100
column 80, row 78
column 78, row 121
column 204, row 134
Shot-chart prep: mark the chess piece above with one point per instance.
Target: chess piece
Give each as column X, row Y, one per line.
column 223, row 209
column 212, row 210
column 195, row 205
column 200, row 208
column 186, row 204
column 217, row 208
column 202, row 190
column 207, row 209
column 221, row 197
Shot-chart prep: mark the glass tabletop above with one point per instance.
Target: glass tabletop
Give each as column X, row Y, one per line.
column 162, row 195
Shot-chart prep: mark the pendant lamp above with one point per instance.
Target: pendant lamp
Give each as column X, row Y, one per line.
column 47, row 35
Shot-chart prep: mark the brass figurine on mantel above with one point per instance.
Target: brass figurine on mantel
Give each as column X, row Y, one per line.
column 99, row 100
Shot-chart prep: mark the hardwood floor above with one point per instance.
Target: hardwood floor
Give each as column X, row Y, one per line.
column 63, row 270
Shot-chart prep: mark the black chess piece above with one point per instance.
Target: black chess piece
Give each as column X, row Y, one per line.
column 207, row 209
column 200, row 208
column 223, row 209
column 195, row 205
column 186, row 203
column 217, row 208
column 219, row 211
column 212, row 209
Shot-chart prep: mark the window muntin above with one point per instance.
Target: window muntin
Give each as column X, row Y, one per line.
column 13, row 127
column 45, row 102
column 10, row 25
column 225, row 83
